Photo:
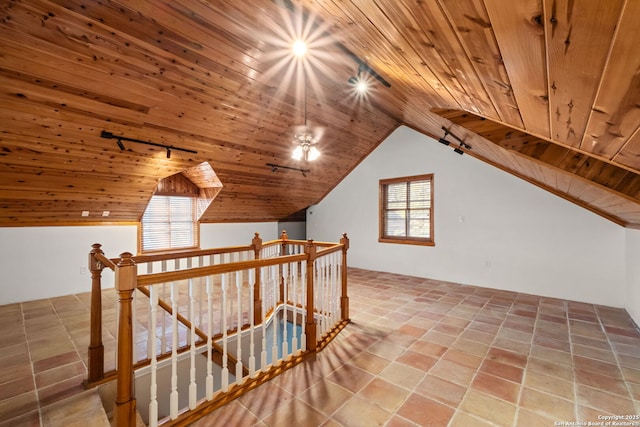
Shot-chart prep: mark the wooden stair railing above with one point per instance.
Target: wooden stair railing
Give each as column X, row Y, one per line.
column 98, row 261
column 127, row 280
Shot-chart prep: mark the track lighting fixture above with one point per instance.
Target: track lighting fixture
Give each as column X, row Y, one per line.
column 119, row 139
column 459, row 148
column 358, row 81
column 443, row 140
column 362, row 68
column 275, row 168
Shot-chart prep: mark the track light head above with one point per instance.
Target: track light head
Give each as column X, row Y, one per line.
column 459, row 148
column 120, row 144
column 168, row 153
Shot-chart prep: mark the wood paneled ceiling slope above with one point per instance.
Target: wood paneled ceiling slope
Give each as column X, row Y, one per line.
column 548, row 90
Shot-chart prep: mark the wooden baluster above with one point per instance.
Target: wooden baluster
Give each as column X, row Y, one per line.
column 225, row 354
column 310, row 325
column 209, row 383
column 320, row 291
column 125, row 283
column 173, row 396
column 153, row 404
column 294, row 280
column 285, row 344
column 151, row 333
column 163, row 337
column 256, row 243
column 275, row 275
column 303, row 300
column 193, row 388
column 134, row 325
column 96, row 347
column 239, row 372
column 344, row 299
column 337, row 288
column 263, row 354
column 252, row 308
column 201, row 287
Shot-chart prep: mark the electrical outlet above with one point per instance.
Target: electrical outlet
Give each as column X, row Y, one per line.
column 84, row 270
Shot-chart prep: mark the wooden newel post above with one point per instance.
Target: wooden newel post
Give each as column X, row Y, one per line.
column 284, row 237
column 256, row 242
column 344, row 299
column 126, row 281
column 283, row 252
column 96, row 348
column 310, row 325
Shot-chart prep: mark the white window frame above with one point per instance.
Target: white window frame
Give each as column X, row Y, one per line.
column 169, row 223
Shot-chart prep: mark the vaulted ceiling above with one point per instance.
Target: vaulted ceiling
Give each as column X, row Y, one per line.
column 548, row 90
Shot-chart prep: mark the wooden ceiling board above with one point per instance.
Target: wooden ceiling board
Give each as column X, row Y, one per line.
column 616, row 116
column 571, row 28
column 427, row 30
column 473, row 28
column 373, row 46
column 520, row 35
column 630, row 156
column 216, row 77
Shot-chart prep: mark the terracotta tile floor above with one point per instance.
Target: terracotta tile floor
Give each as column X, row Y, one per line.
column 418, row 352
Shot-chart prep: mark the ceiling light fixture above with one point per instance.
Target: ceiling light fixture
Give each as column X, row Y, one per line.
column 459, row 148
column 289, row 5
column 299, row 48
column 305, row 139
column 443, row 140
column 358, row 81
column 119, row 139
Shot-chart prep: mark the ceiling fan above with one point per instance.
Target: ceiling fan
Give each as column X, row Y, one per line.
column 305, row 138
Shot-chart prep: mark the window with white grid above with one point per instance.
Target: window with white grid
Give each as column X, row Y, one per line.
column 406, row 210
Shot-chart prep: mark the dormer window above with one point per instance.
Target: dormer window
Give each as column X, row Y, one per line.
column 169, row 223
column 171, row 219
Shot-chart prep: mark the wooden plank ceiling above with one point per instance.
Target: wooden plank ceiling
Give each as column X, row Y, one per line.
column 548, row 90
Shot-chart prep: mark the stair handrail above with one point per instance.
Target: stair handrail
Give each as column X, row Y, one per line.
column 127, row 280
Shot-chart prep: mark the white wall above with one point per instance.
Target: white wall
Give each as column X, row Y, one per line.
column 633, row 274
column 296, row 230
column 43, row 262
column 491, row 228
column 220, row 235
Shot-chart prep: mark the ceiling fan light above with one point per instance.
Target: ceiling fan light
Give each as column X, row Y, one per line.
column 313, row 153
column 297, row 153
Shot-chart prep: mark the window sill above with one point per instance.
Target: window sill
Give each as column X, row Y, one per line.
column 407, row 241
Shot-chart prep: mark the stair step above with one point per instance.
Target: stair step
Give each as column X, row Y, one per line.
column 107, row 393
column 83, row 409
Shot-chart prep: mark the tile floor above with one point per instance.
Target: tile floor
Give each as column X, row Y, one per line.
column 418, row 352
